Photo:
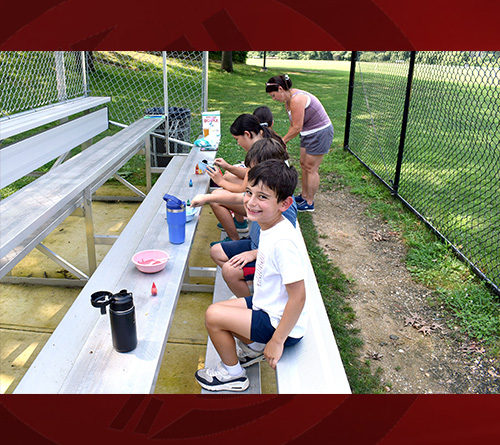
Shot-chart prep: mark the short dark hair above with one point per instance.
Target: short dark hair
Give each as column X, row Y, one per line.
column 277, row 176
column 275, row 82
column 263, row 150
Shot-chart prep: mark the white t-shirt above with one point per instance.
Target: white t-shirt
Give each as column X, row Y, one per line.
column 279, row 262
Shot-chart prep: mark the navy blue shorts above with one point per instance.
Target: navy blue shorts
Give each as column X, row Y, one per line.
column 261, row 329
column 233, row 248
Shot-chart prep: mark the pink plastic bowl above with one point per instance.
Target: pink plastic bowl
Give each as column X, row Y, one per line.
column 150, row 261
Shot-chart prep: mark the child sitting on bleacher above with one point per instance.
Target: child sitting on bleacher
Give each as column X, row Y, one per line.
column 274, row 317
column 237, row 258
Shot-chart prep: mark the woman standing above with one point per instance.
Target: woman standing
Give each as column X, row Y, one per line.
column 309, row 119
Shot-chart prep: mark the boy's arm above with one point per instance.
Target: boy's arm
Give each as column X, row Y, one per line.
column 296, row 300
column 226, row 198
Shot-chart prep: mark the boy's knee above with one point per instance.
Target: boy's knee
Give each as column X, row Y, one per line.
column 231, row 273
column 211, row 315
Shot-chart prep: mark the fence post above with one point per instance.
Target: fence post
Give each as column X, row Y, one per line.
column 84, row 73
column 354, row 56
column 60, row 76
column 404, row 123
column 205, row 82
column 165, row 102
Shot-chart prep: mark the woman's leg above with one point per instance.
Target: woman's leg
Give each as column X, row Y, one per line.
column 310, row 174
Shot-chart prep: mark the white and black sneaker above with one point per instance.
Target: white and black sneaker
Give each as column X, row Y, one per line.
column 246, row 355
column 219, row 379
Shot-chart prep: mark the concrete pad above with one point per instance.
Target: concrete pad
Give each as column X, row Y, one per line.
column 18, row 349
column 68, row 240
column 175, row 379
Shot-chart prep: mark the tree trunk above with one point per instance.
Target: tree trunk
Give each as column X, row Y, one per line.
column 226, row 63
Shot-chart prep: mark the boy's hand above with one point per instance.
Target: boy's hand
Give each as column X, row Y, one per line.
column 215, row 174
column 198, row 200
column 220, row 162
column 273, row 352
column 242, row 258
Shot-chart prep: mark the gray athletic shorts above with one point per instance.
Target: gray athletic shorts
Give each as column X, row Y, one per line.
column 318, row 143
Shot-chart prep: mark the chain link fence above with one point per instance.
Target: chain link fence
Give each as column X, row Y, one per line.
column 427, row 124
column 34, row 79
column 138, row 82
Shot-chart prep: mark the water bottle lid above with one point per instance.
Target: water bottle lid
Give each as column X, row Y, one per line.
column 101, row 299
column 122, row 301
column 174, row 203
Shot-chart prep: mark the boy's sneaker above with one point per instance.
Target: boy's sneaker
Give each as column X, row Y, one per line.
column 241, row 227
column 298, row 198
column 246, row 355
column 219, row 379
column 305, row 207
column 221, row 241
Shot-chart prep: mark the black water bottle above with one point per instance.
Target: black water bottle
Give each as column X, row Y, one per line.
column 121, row 316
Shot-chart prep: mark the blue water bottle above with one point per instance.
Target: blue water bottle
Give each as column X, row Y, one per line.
column 176, row 219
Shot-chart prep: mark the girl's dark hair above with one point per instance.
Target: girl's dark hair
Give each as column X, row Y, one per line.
column 263, row 150
column 276, row 175
column 265, row 115
column 275, row 82
column 250, row 123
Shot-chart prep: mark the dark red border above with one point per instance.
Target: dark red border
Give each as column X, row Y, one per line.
column 354, row 419
column 257, row 25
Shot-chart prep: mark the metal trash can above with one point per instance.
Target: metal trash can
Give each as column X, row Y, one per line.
column 179, row 120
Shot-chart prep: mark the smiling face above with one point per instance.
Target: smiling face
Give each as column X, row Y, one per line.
column 262, row 206
column 246, row 140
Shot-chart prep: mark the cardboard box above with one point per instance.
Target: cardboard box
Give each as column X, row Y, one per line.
column 211, row 123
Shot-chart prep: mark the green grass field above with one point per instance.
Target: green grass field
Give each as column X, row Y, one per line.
column 451, row 161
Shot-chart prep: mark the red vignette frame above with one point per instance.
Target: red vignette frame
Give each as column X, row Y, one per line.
column 263, row 24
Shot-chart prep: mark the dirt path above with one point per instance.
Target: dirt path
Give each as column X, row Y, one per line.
column 403, row 334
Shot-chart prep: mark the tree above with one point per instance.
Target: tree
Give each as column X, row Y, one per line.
column 226, row 63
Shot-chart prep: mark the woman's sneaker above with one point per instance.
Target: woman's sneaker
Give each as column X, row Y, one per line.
column 241, row 227
column 298, row 198
column 305, row 207
column 219, row 379
column 246, row 355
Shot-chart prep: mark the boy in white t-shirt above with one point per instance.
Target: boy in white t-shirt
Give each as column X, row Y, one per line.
column 274, row 317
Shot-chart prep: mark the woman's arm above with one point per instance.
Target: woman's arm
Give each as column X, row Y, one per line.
column 297, row 109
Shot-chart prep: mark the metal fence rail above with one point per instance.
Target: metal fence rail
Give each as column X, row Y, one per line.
column 428, row 125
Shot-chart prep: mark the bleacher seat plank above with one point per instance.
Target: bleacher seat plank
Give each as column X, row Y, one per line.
column 25, row 121
column 79, row 357
column 21, row 158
